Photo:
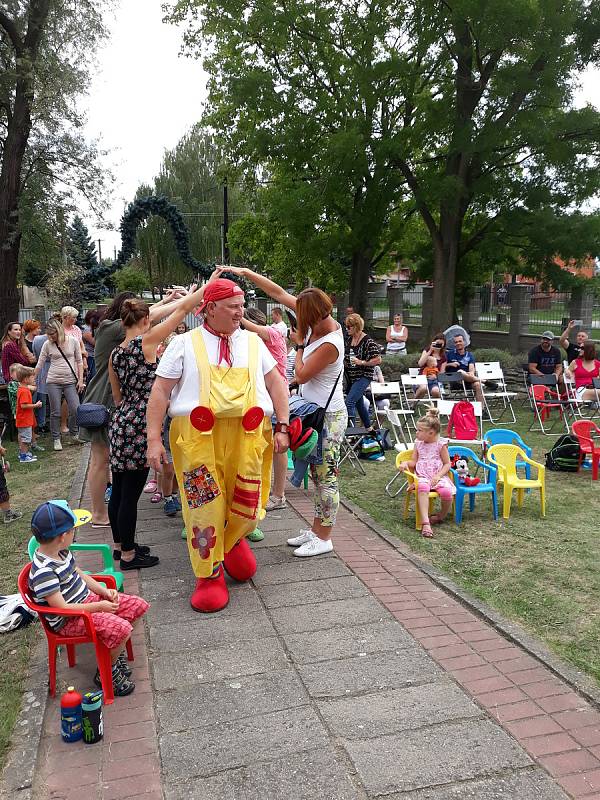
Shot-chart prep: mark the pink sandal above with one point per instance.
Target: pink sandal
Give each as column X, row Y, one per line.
column 156, row 497
column 436, row 519
column 426, row 532
column 150, row 487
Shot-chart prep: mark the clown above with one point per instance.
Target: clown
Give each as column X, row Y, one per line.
column 221, row 386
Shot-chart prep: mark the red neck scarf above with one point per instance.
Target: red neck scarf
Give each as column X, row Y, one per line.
column 225, row 349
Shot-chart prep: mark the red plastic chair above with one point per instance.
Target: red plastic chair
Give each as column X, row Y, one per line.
column 54, row 640
column 585, row 430
column 540, row 395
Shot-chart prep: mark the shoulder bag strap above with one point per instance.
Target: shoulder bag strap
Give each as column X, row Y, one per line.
column 333, row 390
column 68, row 363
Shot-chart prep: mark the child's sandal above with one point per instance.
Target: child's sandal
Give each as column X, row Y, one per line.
column 156, row 497
column 426, row 532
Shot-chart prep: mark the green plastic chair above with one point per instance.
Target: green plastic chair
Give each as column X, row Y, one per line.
column 103, row 549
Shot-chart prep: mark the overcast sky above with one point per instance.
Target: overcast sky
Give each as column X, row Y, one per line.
column 145, row 96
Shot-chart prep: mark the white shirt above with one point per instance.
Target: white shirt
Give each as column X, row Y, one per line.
column 318, row 388
column 179, row 361
column 281, row 327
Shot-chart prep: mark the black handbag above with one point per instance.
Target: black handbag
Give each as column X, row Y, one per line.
column 92, row 416
column 316, row 418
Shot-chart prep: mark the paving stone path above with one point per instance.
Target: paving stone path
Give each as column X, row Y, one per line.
column 342, row 677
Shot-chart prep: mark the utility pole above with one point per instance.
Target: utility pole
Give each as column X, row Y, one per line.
column 225, row 224
column 99, row 252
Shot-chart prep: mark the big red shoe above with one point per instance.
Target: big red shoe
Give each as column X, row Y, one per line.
column 210, row 594
column 240, row 562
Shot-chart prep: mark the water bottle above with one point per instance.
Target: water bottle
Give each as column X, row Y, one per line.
column 93, row 724
column 70, row 715
column 352, row 357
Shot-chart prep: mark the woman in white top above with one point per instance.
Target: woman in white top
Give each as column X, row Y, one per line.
column 319, row 363
column 65, row 377
column 396, row 336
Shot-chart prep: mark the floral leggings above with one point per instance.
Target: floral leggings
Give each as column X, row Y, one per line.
column 325, row 475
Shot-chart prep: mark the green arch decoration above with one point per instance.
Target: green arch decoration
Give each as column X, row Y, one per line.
column 158, row 206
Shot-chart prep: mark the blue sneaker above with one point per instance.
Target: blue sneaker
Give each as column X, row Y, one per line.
column 107, row 494
column 177, row 502
column 170, row 507
column 27, row 458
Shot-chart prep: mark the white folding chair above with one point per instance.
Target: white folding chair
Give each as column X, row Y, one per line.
column 585, row 409
column 498, row 398
column 399, row 425
column 388, row 391
column 445, row 408
column 569, row 382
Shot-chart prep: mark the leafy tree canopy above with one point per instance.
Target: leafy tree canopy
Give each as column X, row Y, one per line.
column 191, row 176
column 458, row 111
column 47, row 50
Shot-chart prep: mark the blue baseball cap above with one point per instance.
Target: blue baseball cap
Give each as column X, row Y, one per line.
column 54, row 517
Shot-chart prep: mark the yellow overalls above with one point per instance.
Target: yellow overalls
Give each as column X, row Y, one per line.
column 224, row 474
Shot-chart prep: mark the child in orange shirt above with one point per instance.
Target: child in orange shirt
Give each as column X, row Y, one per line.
column 24, row 417
column 431, row 371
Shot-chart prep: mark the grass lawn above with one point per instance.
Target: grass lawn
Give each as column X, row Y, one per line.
column 29, row 485
column 541, row 572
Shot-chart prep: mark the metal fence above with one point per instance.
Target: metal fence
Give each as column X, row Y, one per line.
column 548, row 311
column 412, row 304
column 492, row 309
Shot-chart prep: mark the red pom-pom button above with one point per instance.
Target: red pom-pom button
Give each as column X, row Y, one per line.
column 253, row 418
column 202, row 418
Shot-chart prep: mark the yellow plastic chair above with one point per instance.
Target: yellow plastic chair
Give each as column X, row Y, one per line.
column 102, row 549
column 413, row 481
column 505, row 457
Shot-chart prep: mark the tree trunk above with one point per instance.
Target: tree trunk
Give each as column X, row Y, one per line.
column 10, row 188
column 17, row 135
column 445, row 266
column 359, row 281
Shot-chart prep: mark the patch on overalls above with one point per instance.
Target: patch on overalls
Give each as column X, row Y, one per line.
column 246, row 497
column 200, row 487
column 203, row 540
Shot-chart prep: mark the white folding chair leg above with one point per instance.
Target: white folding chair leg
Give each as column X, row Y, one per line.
column 391, row 482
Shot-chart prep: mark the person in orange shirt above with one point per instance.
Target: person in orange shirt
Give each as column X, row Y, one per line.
column 25, row 418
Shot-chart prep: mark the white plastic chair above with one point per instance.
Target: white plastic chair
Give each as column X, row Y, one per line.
column 498, row 398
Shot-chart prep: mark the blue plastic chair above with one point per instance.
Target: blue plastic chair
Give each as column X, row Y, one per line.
column 503, row 436
column 487, row 487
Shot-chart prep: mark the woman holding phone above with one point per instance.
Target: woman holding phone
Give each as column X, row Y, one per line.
column 319, row 364
column 437, row 349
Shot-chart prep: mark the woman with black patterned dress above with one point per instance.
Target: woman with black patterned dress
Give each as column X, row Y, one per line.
column 131, row 368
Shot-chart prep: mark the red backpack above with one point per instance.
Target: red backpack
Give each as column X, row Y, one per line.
column 464, row 422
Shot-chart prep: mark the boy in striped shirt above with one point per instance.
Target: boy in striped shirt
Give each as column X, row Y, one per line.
column 56, row 581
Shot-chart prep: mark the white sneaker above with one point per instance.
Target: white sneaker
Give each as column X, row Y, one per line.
column 57, row 444
column 316, row 547
column 303, row 537
column 275, row 503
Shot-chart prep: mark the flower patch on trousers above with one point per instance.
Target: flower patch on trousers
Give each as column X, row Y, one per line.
column 203, row 540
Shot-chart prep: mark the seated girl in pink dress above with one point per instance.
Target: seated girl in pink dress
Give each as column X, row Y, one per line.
column 431, row 464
